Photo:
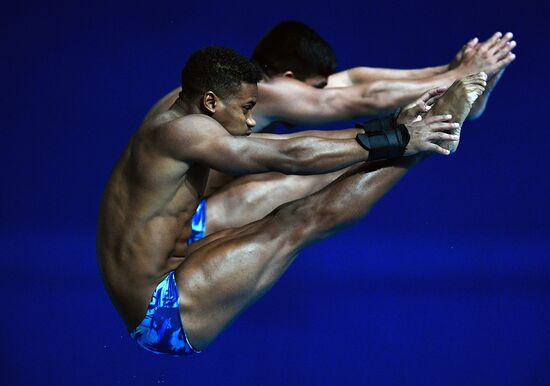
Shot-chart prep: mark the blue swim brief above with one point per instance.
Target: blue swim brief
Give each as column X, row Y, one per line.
column 161, row 331
column 198, row 223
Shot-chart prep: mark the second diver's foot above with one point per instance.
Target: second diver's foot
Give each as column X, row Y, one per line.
column 458, row 101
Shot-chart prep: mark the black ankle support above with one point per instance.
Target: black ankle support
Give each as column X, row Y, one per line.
column 383, row 139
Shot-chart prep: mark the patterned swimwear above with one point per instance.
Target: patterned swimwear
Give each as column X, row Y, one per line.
column 161, row 331
column 198, row 223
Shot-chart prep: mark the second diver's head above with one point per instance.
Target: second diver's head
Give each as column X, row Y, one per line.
column 295, row 50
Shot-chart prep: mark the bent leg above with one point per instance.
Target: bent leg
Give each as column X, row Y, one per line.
column 227, row 271
column 250, row 198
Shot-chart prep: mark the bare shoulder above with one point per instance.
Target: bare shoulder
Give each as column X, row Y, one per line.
column 180, row 137
column 289, row 100
column 280, row 97
column 282, row 87
column 163, row 104
column 198, row 120
column 192, row 125
column 169, row 123
column 166, row 101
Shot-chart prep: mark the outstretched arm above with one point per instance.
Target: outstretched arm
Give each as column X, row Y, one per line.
column 327, row 134
column 287, row 100
column 365, row 75
column 201, row 139
column 197, row 138
column 291, row 101
column 361, row 75
column 385, row 89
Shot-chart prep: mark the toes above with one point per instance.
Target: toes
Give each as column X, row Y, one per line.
column 479, row 78
column 473, row 94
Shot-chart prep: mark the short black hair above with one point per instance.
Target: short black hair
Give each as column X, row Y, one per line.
column 293, row 46
column 217, row 69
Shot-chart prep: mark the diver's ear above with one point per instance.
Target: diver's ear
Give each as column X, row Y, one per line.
column 289, row 74
column 209, row 102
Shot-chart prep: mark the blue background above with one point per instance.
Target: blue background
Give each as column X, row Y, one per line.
column 446, row 282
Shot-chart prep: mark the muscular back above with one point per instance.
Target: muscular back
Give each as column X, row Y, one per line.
column 147, row 206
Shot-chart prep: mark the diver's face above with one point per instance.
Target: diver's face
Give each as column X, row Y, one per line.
column 234, row 112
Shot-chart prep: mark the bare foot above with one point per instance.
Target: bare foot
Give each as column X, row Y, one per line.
column 504, row 51
column 481, row 103
column 458, row 101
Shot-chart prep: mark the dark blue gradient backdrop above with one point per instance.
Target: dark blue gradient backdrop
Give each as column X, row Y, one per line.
column 446, row 282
